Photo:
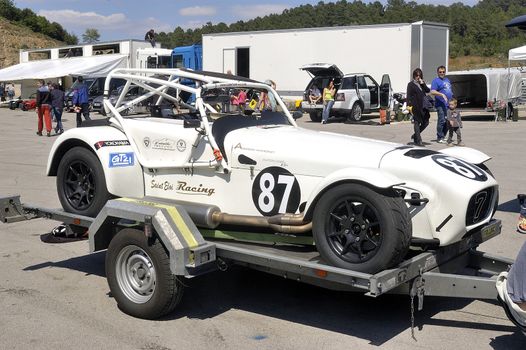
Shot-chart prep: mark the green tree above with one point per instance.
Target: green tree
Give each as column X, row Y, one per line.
column 90, row 36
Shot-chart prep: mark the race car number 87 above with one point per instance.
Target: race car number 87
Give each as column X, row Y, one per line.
column 275, row 190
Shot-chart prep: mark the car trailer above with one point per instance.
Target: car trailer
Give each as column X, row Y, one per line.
column 151, row 246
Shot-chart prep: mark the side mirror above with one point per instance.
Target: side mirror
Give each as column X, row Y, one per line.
column 297, row 115
column 191, row 123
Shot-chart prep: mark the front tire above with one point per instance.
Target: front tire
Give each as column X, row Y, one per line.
column 357, row 228
column 356, row 112
column 139, row 275
column 81, row 183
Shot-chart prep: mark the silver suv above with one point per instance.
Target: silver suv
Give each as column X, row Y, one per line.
column 356, row 93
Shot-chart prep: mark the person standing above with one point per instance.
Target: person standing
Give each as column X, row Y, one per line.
column 416, row 97
column 441, row 89
column 10, row 91
column 328, row 101
column 43, row 100
column 454, row 123
column 57, row 105
column 81, row 101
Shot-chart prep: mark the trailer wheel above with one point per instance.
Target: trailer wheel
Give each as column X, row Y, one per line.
column 357, row 228
column 139, row 275
column 356, row 112
column 81, row 184
column 315, row 116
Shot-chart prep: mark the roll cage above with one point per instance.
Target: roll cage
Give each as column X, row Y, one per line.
column 167, row 85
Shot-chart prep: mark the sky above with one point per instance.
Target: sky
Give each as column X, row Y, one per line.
column 131, row 19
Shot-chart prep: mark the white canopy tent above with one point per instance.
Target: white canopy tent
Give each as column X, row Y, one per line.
column 93, row 66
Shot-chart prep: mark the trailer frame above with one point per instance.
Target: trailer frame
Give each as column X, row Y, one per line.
column 457, row 270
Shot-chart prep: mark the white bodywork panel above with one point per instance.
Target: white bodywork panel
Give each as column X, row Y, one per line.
column 263, row 165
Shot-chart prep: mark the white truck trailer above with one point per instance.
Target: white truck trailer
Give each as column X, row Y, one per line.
column 394, row 49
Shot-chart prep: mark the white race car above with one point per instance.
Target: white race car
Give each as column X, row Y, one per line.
column 363, row 201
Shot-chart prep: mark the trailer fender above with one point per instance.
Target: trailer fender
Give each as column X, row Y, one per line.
column 123, row 179
column 374, row 178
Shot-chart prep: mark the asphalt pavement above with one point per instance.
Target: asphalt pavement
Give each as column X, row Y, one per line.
column 55, row 296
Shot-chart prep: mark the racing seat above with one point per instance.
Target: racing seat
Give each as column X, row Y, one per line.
column 228, row 123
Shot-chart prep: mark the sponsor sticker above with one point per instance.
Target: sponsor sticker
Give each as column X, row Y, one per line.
column 164, row 144
column 121, row 159
column 184, row 188
column 111, row 143
column 146, row 142
column 181, row 145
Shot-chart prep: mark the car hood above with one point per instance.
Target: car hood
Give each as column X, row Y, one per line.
column 302, row 151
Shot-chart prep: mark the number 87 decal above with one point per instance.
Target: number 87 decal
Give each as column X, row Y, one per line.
column 276, row 191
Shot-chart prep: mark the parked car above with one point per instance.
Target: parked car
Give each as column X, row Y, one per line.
column 263, row 174
column 356, row 93
column 95, row 88
column 133, row 92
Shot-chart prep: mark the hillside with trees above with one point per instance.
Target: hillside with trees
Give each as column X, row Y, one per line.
column 16, row 37
column 23, row 29
column 38, row 24
column 478, row 36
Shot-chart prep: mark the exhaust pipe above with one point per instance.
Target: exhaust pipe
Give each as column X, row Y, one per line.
column 210, row 216
column 284, row 223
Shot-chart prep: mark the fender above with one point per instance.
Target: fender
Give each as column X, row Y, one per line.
column 468, row 154
column 374, row 177
column 125, row 181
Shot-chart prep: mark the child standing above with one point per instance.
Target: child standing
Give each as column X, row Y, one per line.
column 454, row 123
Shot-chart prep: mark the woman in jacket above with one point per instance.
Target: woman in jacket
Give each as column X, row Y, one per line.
column 416, row 98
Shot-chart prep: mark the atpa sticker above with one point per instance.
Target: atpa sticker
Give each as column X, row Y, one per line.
column 276, row 191
column 460, row 167
column 121, row 159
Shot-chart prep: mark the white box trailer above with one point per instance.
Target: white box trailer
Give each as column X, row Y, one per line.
column 395, row 49
column 487, row 90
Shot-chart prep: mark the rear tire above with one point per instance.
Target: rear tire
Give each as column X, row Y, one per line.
column 315, row 116
column 81, row 184
column 139, row 275
column 357, row 228
column 356, row 113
